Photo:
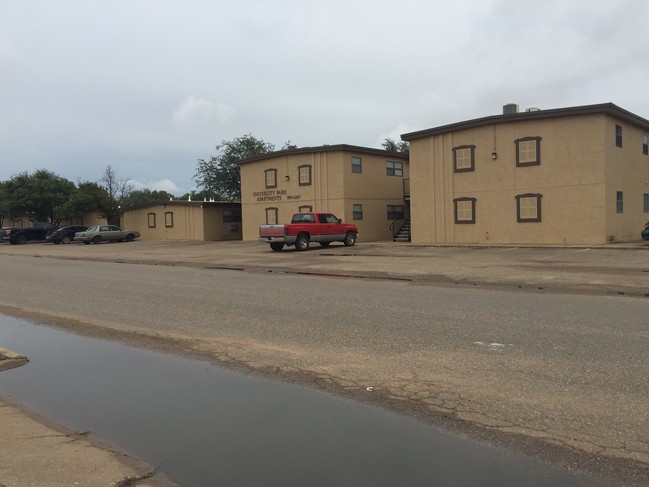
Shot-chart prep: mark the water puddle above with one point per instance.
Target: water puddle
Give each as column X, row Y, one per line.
column 207, row 426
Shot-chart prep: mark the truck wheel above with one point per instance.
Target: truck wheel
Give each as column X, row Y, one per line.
column 96, row 239
column 324, row 244
column 277, row 246
column 302, row 242
column 21, row 239
column 350, row 239
column 65, row 239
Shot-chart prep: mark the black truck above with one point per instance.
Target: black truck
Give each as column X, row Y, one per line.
column 33, row 231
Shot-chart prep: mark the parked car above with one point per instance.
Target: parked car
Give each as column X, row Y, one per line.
column 33, row 231
column 645, row 233
column 65, row 234
column 106, row 233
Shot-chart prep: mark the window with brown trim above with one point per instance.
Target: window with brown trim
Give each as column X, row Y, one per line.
column 528, row 207
column 151, row 219
column 645, row 145
column 619, row 202
column 271, row 216
column 464, row 158
column 304, row 175
column 528, row 151
column 393, row 168
column 271, row 178
column 464, row 210
column 169, row 219
column 305, row 208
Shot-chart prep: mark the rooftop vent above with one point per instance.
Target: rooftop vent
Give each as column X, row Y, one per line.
column 510, row 109
column 532, row 109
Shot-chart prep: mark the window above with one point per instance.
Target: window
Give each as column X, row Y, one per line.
column 619, row 202
column 357, row 164
column 394, row 168
column 528, row 151
column 464, row 210
column 304, row 173
column 169, row 219
column 303, row 218
column 464, row 158
column 327, row 218
column 645, row 202
column 618, row 136
column 231, row 216
column 305, row 208
column 645, row 145
column 528, row 207
column 357, row 212
column 395, row 212
column 271, row 178
column 271, row 216
column 151, row 219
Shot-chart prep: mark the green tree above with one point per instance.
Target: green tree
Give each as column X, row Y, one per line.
column 118, row 190
column 88, row 197
column 143, row 196
column 4, row 203
column 393, row 146
column 39, row 196
column 219, row 176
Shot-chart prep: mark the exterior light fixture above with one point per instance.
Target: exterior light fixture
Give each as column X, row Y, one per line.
column 494, row 156
column 286, row 177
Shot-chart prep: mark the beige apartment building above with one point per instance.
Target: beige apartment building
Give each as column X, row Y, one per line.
column 367, row 187
column 185, row 220
column 562, row 176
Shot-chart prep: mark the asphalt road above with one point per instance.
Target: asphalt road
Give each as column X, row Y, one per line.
column 563, row 376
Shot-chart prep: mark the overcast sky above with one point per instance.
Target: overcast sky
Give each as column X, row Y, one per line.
column 150, row 86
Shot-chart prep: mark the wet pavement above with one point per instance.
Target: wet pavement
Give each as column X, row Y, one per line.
column 202, row 425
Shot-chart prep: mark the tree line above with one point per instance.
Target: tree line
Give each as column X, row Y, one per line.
column 46, row 196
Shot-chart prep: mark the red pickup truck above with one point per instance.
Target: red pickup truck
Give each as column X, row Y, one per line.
column 305, row 228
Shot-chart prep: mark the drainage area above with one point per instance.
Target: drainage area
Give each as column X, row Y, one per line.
column 202, row 425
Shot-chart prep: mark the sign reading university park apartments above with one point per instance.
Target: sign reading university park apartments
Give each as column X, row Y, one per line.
column 274, row 195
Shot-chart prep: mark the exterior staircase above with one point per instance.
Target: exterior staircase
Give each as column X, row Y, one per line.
column 403, row 234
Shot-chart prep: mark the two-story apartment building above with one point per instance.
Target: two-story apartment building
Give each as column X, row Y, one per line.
column 563, row 176
column 364, row 186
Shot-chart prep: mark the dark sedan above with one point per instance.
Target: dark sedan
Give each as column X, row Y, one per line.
column 65, row 235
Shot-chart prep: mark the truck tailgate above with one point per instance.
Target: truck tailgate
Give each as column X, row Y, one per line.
column 271, row 230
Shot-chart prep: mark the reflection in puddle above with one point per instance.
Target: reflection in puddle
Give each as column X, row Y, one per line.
column 207, row 426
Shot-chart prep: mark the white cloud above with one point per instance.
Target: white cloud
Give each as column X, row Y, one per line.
column 157, row 185
column 199, row 112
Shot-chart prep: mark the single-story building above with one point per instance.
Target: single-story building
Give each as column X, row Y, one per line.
column 185, row 220
column 575, row 175
column 368, row 187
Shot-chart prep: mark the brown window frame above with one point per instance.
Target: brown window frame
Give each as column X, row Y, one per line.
column 537, row 161
column 151, row 220
column 455, row 210
column 357, row 214
column 397, row 166
column 274, row 173
column 305, row 209
column 645, row 145
column 464, row 169
column 618, row 136
column 538, row 197
column 299, row 175
column 270, row 210
column 169, row 219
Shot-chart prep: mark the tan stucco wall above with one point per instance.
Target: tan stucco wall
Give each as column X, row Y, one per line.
column 627, row 170
column 571, row 178
column 190, row 222
column 334, row 188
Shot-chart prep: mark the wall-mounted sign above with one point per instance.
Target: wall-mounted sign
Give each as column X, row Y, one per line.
column 274, row 195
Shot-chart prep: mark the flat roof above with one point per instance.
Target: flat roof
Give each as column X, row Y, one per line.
column 325, row 148
column 182, row 203
column 606, row 108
